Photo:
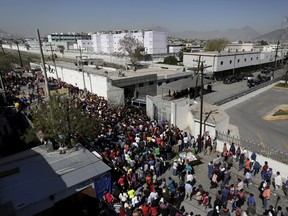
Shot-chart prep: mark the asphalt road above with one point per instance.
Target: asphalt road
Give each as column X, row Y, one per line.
column 248, row 116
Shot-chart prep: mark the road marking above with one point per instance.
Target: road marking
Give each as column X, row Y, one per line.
column 261, row 140
column 260, row 103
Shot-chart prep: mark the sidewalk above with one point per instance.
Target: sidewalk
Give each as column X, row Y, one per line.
column 201, row 175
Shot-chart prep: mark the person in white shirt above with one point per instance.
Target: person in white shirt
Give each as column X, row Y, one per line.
column 123, row 197
column 278, row 181
column 174, row 167
column 190, row 177
column 153, row 196
column 240, row 184
column 135, row 201
column 247, row 178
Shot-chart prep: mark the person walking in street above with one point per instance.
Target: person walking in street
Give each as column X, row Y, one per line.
column 264, row 170
column 266, row 196
column 278, row 181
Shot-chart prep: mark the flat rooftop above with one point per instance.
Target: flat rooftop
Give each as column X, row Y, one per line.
column 113, row 74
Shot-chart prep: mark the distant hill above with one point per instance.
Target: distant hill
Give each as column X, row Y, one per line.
column 6, row 35
column 274, row 36
column 244, row 34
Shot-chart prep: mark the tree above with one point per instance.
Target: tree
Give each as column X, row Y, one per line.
column 61, row 49
column 1, row 42
column 171, row 60
column 60, row 118
column 180, row 53
column 262, row 42
column 216, row 44
column 132, row 47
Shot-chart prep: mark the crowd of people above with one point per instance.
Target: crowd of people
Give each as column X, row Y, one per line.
column 142, row 150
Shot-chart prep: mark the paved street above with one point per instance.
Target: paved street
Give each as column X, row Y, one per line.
column 248, row 116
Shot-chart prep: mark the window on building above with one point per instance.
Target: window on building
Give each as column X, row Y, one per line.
column 160, row 83
column 141, row 84
column 151, row 83
column 238, row 60
column 245, row 59
column 257, row 58
column 221, row 63
column 251, row 59
column 230, row 61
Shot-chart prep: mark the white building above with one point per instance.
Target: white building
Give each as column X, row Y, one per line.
column 67, row 37
column 84, row 45
column 221, row 61
column 108, row 42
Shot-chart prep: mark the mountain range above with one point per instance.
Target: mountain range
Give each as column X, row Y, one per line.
column 244, row 34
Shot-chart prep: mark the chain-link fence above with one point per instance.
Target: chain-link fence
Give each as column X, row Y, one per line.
column 269, row 152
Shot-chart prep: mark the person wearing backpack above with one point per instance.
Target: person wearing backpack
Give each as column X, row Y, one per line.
column 256, row 168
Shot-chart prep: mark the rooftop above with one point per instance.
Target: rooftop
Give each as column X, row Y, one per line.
column 28, row 177
column 114, row 74
column 222, row 53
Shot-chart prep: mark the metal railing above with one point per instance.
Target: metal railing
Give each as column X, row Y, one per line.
column 269, row 152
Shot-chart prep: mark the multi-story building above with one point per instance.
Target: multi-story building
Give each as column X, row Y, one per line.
column 108, row 42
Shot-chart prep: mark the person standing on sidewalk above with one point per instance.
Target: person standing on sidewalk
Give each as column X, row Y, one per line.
column 266, row 196
column 264, row 170
column 278, row 181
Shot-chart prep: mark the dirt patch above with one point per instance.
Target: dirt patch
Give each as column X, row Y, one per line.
column 278, row 113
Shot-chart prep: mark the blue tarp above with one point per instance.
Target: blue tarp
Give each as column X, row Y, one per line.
column 101, row 184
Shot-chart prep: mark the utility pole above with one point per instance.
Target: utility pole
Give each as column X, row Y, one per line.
column 201, row 69
column 21, row 62
column 44, row 66
column 53, row 59
column 285, row 21
column 82, row 69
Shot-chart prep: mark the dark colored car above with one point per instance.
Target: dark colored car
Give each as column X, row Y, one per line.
column 253, row 82
column 233, row 78
column 267, row 70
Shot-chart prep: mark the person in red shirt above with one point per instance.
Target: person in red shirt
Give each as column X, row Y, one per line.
column 146, row 210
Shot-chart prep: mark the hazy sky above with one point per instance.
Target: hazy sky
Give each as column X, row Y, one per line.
column 25, row 16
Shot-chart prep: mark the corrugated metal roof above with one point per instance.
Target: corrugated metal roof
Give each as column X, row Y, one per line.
column 43, row 173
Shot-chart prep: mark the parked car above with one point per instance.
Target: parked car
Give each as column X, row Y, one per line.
column 230, row 79
column 267, row 70
column 253, row 82
column 248, row 76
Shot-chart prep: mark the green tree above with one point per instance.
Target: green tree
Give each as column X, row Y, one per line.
column 171, row 60
column 216, row 44
column 61, row 49
column 262, row 42
column 59, row 119
column 133, row 48
column 180, row 53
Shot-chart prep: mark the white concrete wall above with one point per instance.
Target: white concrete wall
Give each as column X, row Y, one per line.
column 182, row 116
column 94, row 83
column 174, row 49
column 275, row 165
